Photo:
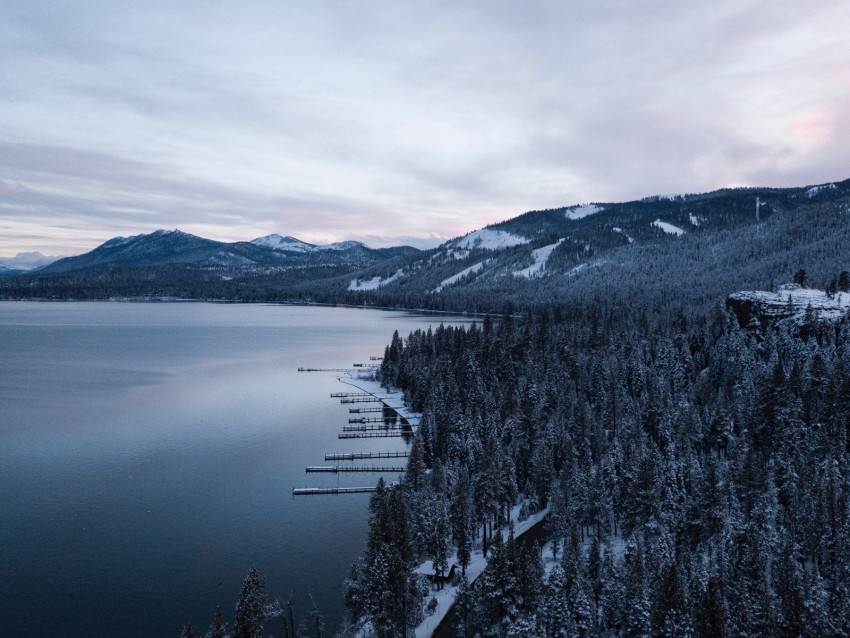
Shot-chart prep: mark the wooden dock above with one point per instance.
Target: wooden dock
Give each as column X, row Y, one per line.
column 363, row 410
column 362, row 400
column 312, row 491
column 345, row 395
column 374, row 427
column 325, row 369
column 385, row 434
column 366, row 469
column 374, row 419
column 358, row 456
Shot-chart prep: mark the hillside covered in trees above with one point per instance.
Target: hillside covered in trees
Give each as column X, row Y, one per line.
column 671, row 251
column 697, row 475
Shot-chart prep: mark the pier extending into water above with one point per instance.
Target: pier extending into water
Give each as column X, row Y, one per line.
column 345, row 395
column 374, row 427
column 363, row 410
column 385, row 434
column 311, row 491
column 359, row 456
column 372, row 399
column 325, row 369
column 365, row 469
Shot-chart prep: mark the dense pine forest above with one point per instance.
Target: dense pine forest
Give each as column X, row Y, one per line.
column 697, row 476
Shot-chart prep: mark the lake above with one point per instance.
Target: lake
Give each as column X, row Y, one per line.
column 148, row 453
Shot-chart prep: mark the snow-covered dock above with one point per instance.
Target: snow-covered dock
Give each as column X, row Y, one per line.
column 374, row 427
column 373, row 419
column 384, row 434
column 312, row 491
column 357, row 456
column 365, row 469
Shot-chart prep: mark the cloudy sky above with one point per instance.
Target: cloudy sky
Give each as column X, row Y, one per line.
column 400, row 122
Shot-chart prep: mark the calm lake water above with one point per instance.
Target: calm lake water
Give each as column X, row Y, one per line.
column 148, row 454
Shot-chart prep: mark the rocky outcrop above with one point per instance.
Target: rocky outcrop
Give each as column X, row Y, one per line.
column 758, row 308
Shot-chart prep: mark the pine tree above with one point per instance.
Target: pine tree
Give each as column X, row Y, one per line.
column 217, row 628
column 462, row 520
column 712, row 616
column 251, row 607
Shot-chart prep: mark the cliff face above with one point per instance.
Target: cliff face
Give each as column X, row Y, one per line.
column 761, row 308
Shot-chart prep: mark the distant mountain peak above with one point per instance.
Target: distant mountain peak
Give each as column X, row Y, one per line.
column 276, row 242
column 27, row 261
column 488, row 239
column 343, row 245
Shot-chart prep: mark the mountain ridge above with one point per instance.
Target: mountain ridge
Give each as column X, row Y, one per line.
column 710, row 243
column 169, row 247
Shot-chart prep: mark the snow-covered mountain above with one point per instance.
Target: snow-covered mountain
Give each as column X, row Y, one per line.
column 557, row 248
column 173, row 247
column 289, row 244
column 710, row 243
column 27, row 261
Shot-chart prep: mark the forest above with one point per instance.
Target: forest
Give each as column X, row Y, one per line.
column 696, row 475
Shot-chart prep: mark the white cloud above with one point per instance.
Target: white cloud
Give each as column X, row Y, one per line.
column 337, row 120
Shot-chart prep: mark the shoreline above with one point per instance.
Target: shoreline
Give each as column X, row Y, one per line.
column 435, row 624
column 164, row 299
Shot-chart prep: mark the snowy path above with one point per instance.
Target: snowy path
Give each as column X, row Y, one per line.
column 445, row 598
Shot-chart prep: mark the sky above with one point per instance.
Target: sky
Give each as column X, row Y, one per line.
column 400, row 122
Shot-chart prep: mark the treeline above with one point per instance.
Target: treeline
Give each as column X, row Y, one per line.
column 254, row 614
column 697, row 476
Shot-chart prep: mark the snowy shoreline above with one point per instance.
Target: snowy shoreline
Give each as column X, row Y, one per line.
column 445, row 597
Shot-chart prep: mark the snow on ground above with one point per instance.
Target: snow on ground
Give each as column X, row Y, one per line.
column 801, row 298
column 276, row 242
column 615, row 544
column 814, row 190
column 463, row 273
column 489, row 239
column 620, row 230
column 445, row 597
column 365, row 380
column 341, row 245
column 668, row 228
column 540, row 256
column 577, row 212
column 374, row 283
column 572, row 272
column 694, row 219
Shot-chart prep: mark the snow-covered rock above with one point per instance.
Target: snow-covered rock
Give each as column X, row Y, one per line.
column 790, row 302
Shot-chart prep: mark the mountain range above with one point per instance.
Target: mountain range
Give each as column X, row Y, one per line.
column 174, row 247
column 679, row 249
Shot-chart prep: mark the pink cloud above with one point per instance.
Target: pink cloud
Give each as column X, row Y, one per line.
column 815, row 129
